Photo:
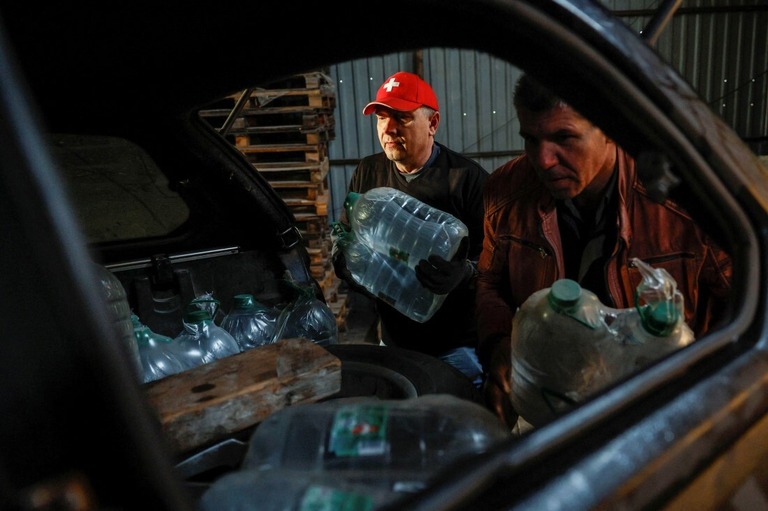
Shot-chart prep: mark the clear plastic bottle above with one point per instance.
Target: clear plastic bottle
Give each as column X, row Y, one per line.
column 649, row 335
column 309, row 317
column 159, row 357
column 393, row 444
column 392, row 222
column 251, row 323
column 567, row 345
column 656, row 326
column 391, row 281
column 562, row 351
column 202, row 341
column 284, row 490
column 120, row 314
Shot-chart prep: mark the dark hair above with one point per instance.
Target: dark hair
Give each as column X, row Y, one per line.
column 533, row 96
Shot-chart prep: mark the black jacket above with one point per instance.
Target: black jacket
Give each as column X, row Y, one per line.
column 454, row 184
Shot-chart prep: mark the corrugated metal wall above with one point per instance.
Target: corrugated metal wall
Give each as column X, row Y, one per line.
column 720, row 47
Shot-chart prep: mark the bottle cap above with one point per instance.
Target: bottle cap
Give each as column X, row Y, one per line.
column 564, row 294
column 659, row 319
column 349, row 202
column 244, row 301
column 196, row 316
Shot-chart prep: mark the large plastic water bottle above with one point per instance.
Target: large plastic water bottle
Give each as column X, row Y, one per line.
column 309, row 317
column 158, row 352
column 391, row 281
column 560, row 341
column 251, row 323
column 567, row 345
column 393, row 444
column 655, row 326
column 202, row 341
column 649, row 334
column 391, row 233
column 120, row 314
column 282, row 490
column 392, row 222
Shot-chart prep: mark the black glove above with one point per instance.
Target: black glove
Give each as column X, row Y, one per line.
column 441, row 276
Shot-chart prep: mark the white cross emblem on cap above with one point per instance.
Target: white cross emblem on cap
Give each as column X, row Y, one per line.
column 391, row 84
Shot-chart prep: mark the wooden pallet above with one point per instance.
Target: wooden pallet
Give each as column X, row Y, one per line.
column 319, row 98
column 302, row 207
column 260, row 137
column 303, row 118
column 300, row 190
column 314, row 229
column 294, row 170
column 340, row 309
column 264, row 153
column 283, row 129
column 311, row 80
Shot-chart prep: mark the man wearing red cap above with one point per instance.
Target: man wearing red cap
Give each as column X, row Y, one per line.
column 407, row 118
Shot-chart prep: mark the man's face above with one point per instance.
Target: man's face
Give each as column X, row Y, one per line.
column 571, row 156
column 406, row 137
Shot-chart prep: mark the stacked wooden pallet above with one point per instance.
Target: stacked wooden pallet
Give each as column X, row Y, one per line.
column 284, row 129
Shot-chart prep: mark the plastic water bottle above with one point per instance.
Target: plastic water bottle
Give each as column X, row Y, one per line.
column 392, row 222
column 281, row 490
column 202, row 341
column 308, row 317
column 649, row 335
column 391, row 281
column 251, row 323
column 562, row 351
column 392, row 444
column 120, row 314
column 159, row 357
column 567, row 345
column 399, row 230
column 656, row 326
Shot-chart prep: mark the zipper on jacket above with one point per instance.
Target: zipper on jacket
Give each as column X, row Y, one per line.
column 541, row 250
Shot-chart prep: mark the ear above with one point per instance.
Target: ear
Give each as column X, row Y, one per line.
column 434, row 122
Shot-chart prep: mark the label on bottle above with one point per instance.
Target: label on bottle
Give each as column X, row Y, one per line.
column 322, row 498
column 359, row 431
column 400, row 255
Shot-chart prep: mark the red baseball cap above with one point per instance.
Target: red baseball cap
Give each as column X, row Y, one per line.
column 403, row 92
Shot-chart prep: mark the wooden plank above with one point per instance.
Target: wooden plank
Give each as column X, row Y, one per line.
column 294, row 170
column 208, row 403
column 290, row 190
column 285, row 148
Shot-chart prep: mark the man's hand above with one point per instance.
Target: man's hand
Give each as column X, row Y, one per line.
column 441, row 276
column 497, row 387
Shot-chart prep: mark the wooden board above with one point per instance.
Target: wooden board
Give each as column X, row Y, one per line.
column 205, row 404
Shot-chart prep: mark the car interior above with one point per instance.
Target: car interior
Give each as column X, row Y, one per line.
column 195, row 219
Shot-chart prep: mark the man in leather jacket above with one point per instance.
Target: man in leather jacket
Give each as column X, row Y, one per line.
column 572, row 207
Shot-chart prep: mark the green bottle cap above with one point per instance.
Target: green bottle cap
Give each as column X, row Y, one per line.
column 349, row 202
column 197, row 316
column 244, row 301
column 564, row 295
column 659, row 319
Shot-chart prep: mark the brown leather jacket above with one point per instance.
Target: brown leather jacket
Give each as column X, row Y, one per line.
column 522, row 252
